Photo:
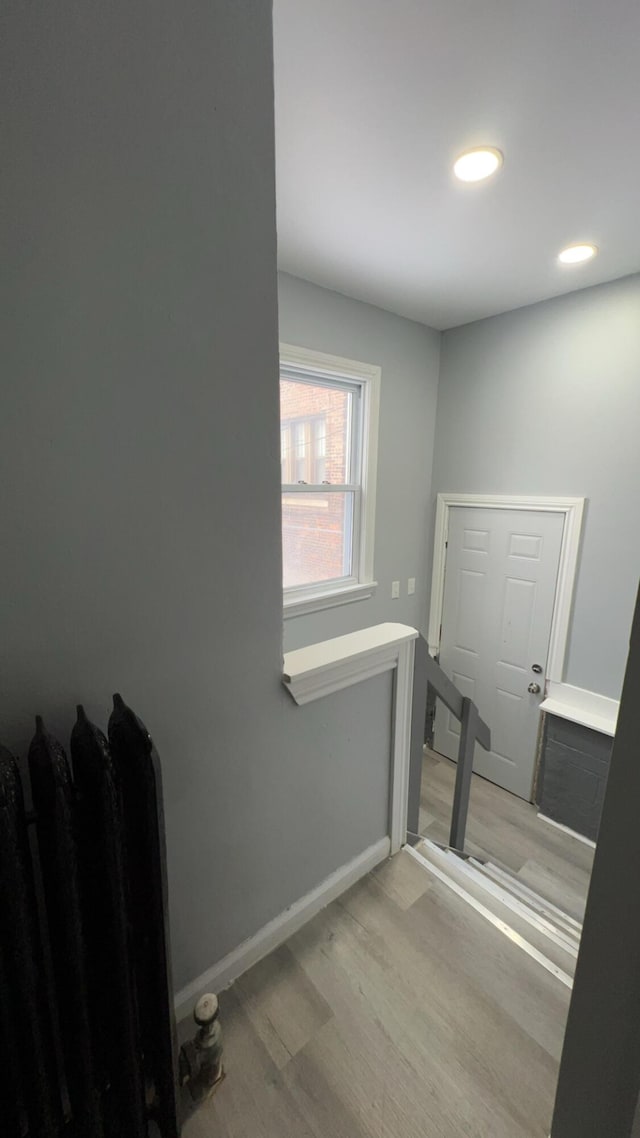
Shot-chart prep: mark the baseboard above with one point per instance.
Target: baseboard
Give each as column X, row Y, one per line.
column 280, row 928
column 567, row 830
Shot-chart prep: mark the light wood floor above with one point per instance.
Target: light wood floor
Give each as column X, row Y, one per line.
column 508, row 831
column 398, row 1012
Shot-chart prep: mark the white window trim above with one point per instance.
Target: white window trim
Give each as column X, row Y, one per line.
column 295, row 605
column 573, row 510
column 299, row 601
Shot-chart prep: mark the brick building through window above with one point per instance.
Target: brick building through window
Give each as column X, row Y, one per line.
column 317, row 447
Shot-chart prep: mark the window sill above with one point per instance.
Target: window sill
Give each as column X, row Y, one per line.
column 302, row 605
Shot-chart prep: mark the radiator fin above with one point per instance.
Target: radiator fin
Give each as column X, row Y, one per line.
column 87, row 1028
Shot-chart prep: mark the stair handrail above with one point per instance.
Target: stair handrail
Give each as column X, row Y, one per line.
column 472, row 729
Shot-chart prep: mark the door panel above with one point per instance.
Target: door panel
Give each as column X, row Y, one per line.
column 517, row 614
column 499, row 591
column 470, row 602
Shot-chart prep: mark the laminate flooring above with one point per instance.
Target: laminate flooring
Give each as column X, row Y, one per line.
column 397, row 1012
column 507, row 830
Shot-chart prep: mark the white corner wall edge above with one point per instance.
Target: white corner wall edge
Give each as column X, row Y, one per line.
column 321, row 669
column 598, row 712
column 273, row 934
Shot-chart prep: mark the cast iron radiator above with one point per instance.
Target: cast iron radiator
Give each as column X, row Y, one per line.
column 87, row 1031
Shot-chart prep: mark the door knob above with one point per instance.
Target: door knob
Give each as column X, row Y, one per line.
column 534, row 689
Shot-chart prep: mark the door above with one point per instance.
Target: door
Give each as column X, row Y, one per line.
column 499, row 592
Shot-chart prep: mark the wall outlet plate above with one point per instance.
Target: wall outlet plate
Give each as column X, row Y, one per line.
column 395, row 590
column 411, row 586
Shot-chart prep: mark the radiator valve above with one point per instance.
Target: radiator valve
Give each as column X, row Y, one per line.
column 201, row 1058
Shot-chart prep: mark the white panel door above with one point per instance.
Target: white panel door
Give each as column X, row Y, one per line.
column 499, row 590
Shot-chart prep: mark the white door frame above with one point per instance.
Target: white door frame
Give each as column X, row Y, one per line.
column 573, row 510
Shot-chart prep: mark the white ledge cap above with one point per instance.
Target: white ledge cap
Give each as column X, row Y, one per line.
column 320, row 669
column 598, row 712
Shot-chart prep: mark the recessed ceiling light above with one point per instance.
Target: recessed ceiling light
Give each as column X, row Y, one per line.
column 474, row 165
column 576, row 254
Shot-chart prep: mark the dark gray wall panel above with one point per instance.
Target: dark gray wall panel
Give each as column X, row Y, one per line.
column 600, row 1070
column 573, row 777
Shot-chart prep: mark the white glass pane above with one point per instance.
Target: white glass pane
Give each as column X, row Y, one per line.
column 316, row 423
column 321, row 437
column 317, row 537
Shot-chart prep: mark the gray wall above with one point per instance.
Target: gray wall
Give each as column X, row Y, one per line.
column 139, row 451
column 546, row 400
column 600, row 1068
column 408, row 353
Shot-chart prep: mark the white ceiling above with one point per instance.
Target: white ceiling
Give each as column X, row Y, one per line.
column 376, row 98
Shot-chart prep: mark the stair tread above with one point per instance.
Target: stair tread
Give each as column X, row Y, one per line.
column 563, row 921
column 557, row 944
column 527, row 910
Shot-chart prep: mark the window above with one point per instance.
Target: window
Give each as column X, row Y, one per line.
column 303, row 440
column 328, row 444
